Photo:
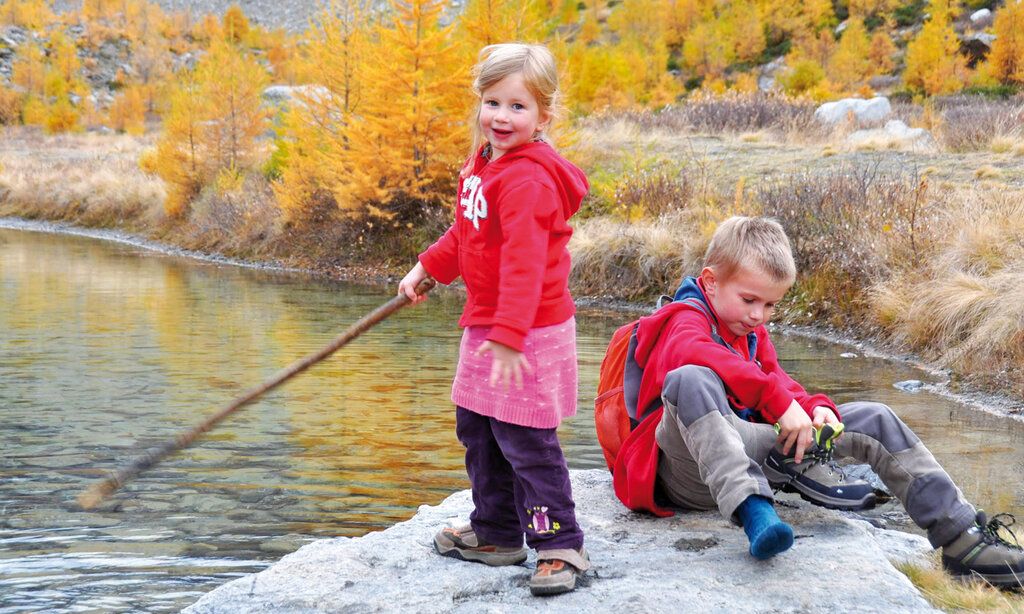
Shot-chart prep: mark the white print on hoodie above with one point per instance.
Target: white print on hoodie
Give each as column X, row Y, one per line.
column 473, row 200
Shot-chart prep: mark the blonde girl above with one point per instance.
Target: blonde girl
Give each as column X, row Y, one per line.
column 516, row 376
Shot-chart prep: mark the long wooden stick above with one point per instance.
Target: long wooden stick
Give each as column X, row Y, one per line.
column 101, row 490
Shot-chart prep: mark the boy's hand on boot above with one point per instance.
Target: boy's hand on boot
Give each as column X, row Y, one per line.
column 795, row 430
column 823, row 415
column 507, row 364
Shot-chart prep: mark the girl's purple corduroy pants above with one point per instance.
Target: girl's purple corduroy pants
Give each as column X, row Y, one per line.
column 520, row 484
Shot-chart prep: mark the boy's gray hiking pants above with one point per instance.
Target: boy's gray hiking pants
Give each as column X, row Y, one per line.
column 710, row 458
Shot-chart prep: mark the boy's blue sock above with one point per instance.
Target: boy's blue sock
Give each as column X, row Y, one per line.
column 767, row 534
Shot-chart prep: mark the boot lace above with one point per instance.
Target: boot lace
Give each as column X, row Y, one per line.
column 990, row 529
column 819, row 455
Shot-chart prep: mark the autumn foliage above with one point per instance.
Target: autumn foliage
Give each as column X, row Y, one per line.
column 211, row 128
column 378, row 99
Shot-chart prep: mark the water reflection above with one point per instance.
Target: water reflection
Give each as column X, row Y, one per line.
column 105, row 350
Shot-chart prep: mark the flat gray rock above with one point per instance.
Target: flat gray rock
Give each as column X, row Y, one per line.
column 691, row 562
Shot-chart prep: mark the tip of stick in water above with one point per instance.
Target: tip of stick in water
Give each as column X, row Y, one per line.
column 91, row 498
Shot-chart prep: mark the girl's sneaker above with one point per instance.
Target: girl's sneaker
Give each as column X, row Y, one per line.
column 557, row 570
column 463, row 543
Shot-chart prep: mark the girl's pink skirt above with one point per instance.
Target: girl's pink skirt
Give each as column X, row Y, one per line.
column 549, row 391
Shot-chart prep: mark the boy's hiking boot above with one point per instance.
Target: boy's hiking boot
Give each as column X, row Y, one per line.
column 818, row 478
column 557, row 571
column 463, row 543
column 981, row 552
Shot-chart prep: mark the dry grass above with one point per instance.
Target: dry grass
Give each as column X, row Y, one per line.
column 1002, row 144
column 734, row 114
column 972, row 124
column 880, row 142
column 988, row 172
column 633, row 261
column 965, row 307
column 951, row 595
column 77, row 178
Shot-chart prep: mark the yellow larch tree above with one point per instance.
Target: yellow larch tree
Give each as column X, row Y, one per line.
column 30, row 14
column 486, row 22
column 863, row 9
column 29, row 69
column 741, row 27
column 235, row 24
column 128, row 111
column 64, row 61
column 680, row 17
column 411, row 135
column 179, row 152
column 641, row 52
column 933, row 61
column 881, row 53
column 211, row 128
column 850, row 66
column 784, row 19
column 704, row 51
column 231, row 83
column 590, row 29
column 314, row 147
column 1007, row 57
column 28, row 73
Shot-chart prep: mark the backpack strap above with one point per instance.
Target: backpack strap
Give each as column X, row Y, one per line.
column 633, row 374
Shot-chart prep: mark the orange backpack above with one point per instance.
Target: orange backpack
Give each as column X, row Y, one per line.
column 610, row 416
column 618, row 385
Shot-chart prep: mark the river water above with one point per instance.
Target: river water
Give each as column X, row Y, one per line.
column 106, row 349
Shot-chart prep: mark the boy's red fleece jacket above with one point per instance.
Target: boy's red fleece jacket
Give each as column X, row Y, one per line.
column 677, row 335
column 509, row 241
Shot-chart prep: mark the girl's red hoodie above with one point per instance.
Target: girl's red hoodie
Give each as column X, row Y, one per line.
column 509, row 241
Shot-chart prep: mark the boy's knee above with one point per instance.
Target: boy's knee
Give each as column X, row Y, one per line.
column 694, row 391
column 878, row 421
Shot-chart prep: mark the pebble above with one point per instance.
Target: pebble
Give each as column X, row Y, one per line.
column 848, row 355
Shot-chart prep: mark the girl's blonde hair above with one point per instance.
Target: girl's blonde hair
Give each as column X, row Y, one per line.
column 758, row 242
column 540, row 73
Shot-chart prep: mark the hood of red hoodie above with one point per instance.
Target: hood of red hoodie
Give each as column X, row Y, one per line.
column 570, row 181
column 649, row 330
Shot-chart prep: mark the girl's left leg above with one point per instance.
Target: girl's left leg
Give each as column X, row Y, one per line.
column 494, row 517
column 542, row 492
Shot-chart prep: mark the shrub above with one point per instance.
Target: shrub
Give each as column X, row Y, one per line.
column 848, row 227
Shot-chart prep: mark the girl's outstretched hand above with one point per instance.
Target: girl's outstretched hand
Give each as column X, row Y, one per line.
column 412, row 279
column 507, row 364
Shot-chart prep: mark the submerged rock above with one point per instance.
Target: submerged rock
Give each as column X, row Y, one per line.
column 641, row 564
column 910, row 385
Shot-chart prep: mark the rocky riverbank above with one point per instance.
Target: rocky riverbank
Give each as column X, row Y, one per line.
column 641, row 564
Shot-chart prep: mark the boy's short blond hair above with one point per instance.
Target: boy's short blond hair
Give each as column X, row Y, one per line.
column 750, row 242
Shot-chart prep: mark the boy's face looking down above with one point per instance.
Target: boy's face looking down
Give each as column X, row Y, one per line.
column 744, row 300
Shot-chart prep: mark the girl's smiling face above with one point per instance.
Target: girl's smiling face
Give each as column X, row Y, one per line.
column 510, row 115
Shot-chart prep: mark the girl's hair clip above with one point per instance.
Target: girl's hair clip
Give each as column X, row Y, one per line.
column 486, row 151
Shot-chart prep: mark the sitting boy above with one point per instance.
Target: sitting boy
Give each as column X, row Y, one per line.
column 711, row 372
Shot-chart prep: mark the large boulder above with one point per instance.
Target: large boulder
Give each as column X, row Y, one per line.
column 895, row 135
column 286, row 95
column 865, row 112
column 981, row 18
column 695, row 562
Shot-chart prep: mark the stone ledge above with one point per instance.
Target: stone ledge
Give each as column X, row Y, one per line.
column 693, row 561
